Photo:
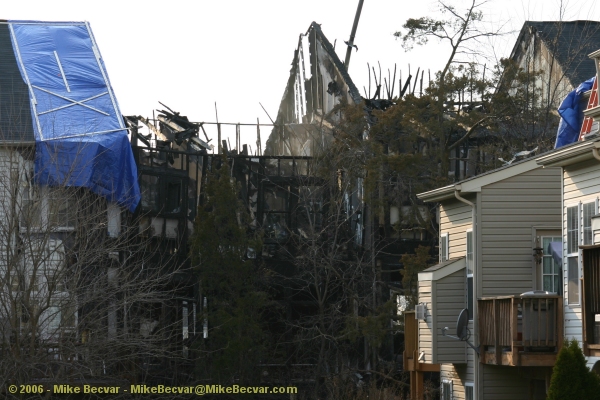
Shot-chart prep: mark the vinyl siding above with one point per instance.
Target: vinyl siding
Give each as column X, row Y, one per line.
column 581, row 184
column 501, row 383
column 510, row 209
column 425, row 327
column 457, row 373
column 455, row 219
column 449, row 299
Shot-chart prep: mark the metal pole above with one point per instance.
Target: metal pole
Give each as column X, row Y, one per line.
column 351, row 41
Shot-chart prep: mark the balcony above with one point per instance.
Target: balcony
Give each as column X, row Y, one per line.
column 520, row 330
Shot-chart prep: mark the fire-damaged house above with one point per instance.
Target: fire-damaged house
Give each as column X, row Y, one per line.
column 86, row 293
column 308, row 119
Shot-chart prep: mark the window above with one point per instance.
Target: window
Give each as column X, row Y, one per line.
column 162, row 193
column 469, row 391
column 446, row 390
column 62, row 208
column 589, row 210
column 550, row 268
column 444, row 245
column 49, row 207
column 470, row 269
column 573, row 254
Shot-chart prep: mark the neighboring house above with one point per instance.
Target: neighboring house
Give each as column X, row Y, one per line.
column 559, row 49
column 580, row 163
column 492, row 230
column 79, row 291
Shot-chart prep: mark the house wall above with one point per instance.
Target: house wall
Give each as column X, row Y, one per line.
column 501, row 383
column 426, row 337
column 511, row 209
column 449, row 299
column 455, row 219
column 581, row 184
column 551, row 85
column 457, row 374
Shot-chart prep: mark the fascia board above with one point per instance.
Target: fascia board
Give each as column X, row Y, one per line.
column 438, row 194
column 570, row 155
column 594, row 54
column 459, row 264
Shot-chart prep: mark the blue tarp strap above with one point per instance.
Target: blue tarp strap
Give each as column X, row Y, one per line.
column 571, row 115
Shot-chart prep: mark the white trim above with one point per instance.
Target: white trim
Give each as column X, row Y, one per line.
column 62, row 71
column 445, row 238
column 577, row 254
column 442, row 394
column 73, row 102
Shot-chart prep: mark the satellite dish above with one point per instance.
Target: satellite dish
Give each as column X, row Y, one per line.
column 462, row 324
column 462, row 329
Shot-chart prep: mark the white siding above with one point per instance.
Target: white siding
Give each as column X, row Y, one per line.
column 581, row 184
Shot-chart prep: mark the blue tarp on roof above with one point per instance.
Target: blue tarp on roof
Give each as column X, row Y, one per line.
column 79, row 131
column 571, row 115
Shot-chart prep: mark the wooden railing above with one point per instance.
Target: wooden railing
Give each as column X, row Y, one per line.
column 520, row 331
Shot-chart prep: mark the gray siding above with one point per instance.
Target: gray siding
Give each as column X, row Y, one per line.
column 502, row 383
column 449, row 300
column 425, row 327
column 509, row 211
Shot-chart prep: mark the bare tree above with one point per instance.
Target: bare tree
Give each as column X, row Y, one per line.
column 84, row 293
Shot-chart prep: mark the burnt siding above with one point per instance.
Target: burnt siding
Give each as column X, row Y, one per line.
column 510, row 209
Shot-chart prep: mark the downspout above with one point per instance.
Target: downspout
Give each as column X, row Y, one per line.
column 595, row 153
column 457, row 189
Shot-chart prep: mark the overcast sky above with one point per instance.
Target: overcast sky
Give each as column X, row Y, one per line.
column 237, row 53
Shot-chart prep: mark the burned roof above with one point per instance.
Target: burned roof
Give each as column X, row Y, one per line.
column 569, row 41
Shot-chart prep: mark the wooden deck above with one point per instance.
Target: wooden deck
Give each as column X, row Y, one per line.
column 410, row 357
column 520, row 331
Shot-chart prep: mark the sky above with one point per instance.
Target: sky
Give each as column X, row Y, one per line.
column 191, row 54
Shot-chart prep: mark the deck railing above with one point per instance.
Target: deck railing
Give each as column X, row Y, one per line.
column 520, row 330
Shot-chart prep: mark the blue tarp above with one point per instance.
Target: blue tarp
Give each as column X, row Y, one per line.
column 571, row 115
column 555, row 248
column 80, row 136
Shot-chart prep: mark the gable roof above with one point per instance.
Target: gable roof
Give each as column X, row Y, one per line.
column 569, row 41
column 442, row 269
column 474, row 184
column 64, row 101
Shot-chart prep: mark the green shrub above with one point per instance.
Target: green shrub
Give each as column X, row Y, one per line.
column 571, row 378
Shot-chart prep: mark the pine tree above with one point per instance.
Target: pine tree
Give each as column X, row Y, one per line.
column 571, row 379
column 223, row 251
